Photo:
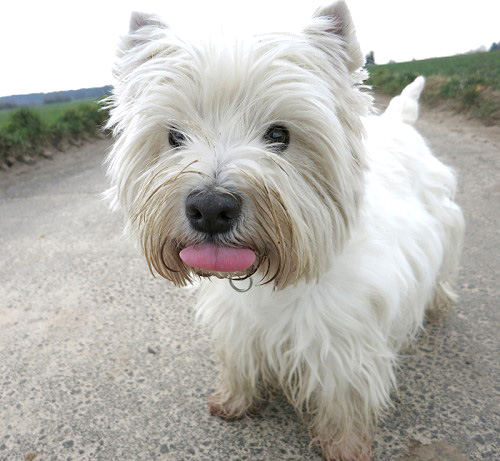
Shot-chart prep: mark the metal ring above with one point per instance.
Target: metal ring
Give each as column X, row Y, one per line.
column 241, row 290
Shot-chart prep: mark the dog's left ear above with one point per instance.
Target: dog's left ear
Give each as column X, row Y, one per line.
column 337, row 21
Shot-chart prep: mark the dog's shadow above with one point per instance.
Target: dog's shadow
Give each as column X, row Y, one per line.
column 423, row 419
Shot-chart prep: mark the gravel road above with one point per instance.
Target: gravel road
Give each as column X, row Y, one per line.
column 101, row 361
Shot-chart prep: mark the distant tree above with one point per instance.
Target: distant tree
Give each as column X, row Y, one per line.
column 370, row 58
column 7, row 105
column 56, row 98
column 495, row 46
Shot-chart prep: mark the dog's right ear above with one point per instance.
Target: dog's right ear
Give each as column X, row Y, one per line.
column 134, row 49
column 338, row 24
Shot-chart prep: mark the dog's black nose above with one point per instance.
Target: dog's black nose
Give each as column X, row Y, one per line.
column 212, row 212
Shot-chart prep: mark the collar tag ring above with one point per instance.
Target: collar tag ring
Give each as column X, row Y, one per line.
column 241, row 290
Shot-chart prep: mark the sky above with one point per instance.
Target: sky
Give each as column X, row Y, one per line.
column 53, row 45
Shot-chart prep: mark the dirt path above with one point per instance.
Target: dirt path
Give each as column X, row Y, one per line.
column 100, row 361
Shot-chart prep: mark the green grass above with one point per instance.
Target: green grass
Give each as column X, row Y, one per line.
column 469, row 83
column 49, row 113
column 480, row 66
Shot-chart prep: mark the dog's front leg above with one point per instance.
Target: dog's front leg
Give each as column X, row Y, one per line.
column 344, row 418
column 342, row 428
column 239, row 391
column 337, row 445
column 345, row 396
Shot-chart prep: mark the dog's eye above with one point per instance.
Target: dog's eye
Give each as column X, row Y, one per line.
column 176, row 138
column 278, row 136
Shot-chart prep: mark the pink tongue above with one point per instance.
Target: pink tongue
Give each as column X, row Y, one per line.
column 217, row 258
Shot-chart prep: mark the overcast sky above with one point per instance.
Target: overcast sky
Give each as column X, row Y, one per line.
column 49, row 45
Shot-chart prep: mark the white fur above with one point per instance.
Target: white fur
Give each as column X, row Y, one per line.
column 355, row 221
column 405, row 106
column 347, row 328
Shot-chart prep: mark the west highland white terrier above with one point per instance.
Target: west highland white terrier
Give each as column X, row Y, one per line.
column 321, row 232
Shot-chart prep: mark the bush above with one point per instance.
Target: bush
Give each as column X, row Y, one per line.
column 94, row 116
column 72, row 122
column 26, row 132
column 7, row 145
column 451, row 88
column 56, row 133
column 84, row 120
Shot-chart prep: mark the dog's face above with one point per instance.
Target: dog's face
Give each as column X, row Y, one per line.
column 241, row 158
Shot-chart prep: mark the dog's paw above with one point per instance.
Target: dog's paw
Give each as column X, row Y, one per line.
column 334, row 452
column 231, row 411
column 224, row 411
column 350, row 457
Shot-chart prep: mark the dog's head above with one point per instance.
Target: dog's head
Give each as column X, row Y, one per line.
column 243, row 157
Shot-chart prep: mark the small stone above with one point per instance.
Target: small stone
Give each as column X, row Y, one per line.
column 30, row 456
column 27, row 159
column 151, row 350
column 164, row 448
column 47, row 154
column 478, row 439
column 68, row 444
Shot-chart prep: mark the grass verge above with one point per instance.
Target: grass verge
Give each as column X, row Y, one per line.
column 28, row 133
column 467, row 83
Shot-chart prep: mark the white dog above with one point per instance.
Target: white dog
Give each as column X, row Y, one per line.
column 323, row 232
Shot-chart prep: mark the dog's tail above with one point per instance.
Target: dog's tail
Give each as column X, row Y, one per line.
column 405, row 106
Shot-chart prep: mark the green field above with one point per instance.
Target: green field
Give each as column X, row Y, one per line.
column 49, row 113
column 469, row 83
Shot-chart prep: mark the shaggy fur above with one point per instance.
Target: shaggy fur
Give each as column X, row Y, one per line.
column 354, row 224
